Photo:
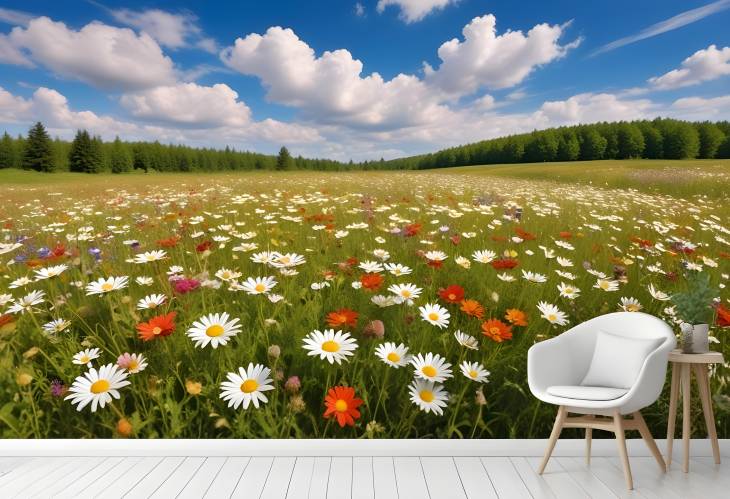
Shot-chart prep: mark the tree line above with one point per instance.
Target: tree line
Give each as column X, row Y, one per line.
column 655, row 139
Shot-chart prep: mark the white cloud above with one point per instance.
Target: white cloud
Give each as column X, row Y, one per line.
column 359, row 9
column 170, row 30
column 414, row 10
column 15, row 17
column 10, row 54
column 485, row 59
column 681, row 19
column 100, row 55
column 591, row 108
column 330, row 88
column 704, row 65
column 52, row 108
column 701, row 108
column 189, row 104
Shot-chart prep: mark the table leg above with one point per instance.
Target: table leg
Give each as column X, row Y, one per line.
column 686, row 416
column 703, row 381
column 673, row 396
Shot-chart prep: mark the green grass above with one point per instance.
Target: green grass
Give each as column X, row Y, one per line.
column 282, row 209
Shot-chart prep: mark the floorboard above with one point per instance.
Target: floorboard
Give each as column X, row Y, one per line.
column 359, row 477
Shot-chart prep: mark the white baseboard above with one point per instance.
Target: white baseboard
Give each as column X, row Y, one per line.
column 333, row 447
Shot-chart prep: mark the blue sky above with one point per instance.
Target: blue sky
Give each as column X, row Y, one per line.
column 256, row 75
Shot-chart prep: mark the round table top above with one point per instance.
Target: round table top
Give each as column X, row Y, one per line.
column 696, row 358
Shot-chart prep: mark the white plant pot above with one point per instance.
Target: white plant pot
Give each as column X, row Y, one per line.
column 695, row 338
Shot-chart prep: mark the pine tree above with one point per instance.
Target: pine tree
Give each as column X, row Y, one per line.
column 7, row 152
column 38, row 153
column 121, row 159
column 283, row 161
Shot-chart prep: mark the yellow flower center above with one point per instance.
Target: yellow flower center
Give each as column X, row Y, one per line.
column 100, row 386
column 393, row 357
column 330, row 346
column 426, row 395
column 494, row 330
column 214, row 330
column 248, row 386
column 452, row 296
column 107, row 286
column 405, row 293
column 473, row 373
column 260, row 288
column 133, row 365
column 341, row 405
column 156, row 331
column 85, row 359
column 150, row 258
column 152, row 305
column 552, row 317
column 433, row 316
column 429, row 371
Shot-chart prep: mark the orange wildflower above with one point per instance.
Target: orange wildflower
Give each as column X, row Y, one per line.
column 371, row 282
column 452, row 294
column 342, row 404
column 516, row 317
column 342, row 317
column 497, row 330
column 472, row 308
column 159, row 326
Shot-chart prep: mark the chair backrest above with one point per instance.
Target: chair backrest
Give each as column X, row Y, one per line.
column 581, row 339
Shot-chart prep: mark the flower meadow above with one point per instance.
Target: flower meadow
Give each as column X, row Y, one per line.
column 305, row 305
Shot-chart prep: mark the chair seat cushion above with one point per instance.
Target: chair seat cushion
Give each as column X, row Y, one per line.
column 587, row 392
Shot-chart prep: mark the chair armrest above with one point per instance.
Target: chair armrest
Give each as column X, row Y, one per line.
column 651, row 379
column 549, row 364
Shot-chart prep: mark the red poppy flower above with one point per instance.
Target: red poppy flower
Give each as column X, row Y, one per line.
column 170, row 242
column 527, row 236
column 411, row 230
column 564, row 234
column 723, row 316
column 504, row 263
column 342, row 317
column 204, row 246
column 342, row 404
column 452, row 294
column 371, row 282
column 496, row 330
column 159, row 326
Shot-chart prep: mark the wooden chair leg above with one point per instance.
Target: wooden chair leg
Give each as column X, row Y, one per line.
column 557, row 428
column 686, row 419
column 703, row 382
column 618, row 422
column 673, row 397
column 589, row 440
column 646, row 435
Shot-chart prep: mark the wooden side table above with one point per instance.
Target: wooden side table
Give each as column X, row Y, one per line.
column 682, row 365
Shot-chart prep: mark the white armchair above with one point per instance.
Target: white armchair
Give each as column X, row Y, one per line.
column 603, row 369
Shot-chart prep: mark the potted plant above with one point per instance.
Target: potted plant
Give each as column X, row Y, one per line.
column 695, row 308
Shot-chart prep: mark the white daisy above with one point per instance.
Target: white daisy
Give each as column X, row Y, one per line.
column 568, row 291
column 466, row 340
column 393, row 355
column 225, row 274
column 144, row 281
column 630, row 304
column 56, row 326
column 533, row 276
column 657, row 294
column 431, row 367
column 435, row 314
column 335, row 346
column 436, row 256
column 552, row 314
column 247, row 386
column 97, row 387
column 26, row 303
column 215, row 329
column 428, row 396
column 484, row 256
column 606, row 284
column 134, row 363
column 288, row 260
column 372, row 267
column 406, row 292
column 49, row 272
column 85, row 357
column 150, row 256
column 151, row 302
column 474, row 371
column 103, row 286
column 397, row 269
column 259, row 285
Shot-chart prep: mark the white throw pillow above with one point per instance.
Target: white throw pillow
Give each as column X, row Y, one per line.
column 617, row 360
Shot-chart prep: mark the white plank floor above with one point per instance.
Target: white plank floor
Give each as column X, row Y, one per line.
column 360, row 477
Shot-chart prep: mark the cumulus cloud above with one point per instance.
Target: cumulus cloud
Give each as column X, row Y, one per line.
column 485, row 59
column 330, row 88
column 704, row 65
column 103, row 56
column 10, row 54
column 52, row 108
column 414, row 10
column 589, row 108
column 701, row 108
column 189, row 104
column 169, row 29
